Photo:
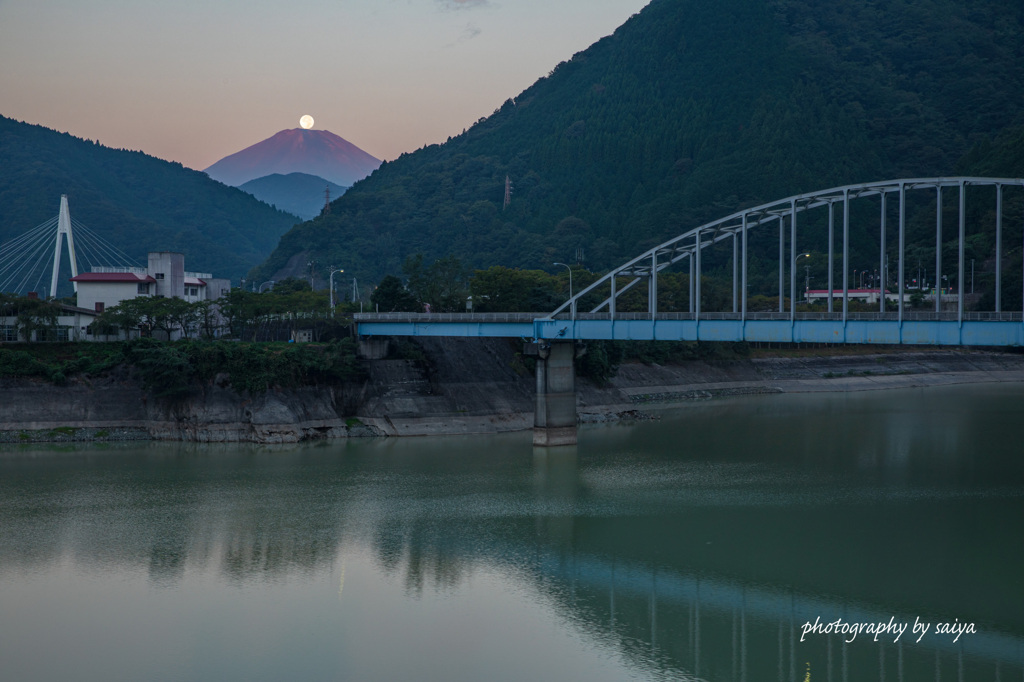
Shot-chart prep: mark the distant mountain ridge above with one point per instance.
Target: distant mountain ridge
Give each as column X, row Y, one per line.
column 314, row 152
column 690, row 111
column 300, row 194
column 137, row 202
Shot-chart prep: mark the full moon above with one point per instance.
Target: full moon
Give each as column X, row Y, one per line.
column 306, row 121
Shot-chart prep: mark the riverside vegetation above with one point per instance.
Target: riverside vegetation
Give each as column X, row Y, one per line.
column 251, row 361
column 233, row 340
column 172, row 370
column 241, row 336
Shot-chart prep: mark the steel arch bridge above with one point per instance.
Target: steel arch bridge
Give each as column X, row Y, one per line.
column 834, row 323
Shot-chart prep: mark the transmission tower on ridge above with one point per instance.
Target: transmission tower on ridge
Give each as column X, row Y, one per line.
column 327, row 200
column 508, row 192
column 63, row 228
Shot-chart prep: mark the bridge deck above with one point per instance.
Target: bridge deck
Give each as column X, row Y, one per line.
column 918, row 328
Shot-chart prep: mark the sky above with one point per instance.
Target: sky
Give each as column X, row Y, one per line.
column 196, row 80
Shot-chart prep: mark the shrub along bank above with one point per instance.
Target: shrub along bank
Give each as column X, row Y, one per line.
column 173, row 370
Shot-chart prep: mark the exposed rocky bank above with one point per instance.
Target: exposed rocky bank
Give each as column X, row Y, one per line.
column 462, row 386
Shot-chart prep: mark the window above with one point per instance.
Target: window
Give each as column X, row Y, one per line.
column 143, row 288
column 61, row 333
column 192, row 291
column 8, row 333
column 159, row 275
column 99, row 306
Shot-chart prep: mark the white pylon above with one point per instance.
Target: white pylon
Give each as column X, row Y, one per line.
column 63, row 227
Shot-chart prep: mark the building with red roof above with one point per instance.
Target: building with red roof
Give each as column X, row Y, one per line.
column 164, row 275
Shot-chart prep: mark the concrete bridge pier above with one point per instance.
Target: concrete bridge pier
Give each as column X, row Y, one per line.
column 554, row 421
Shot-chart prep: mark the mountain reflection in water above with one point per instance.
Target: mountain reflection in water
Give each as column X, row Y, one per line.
column 691, row 548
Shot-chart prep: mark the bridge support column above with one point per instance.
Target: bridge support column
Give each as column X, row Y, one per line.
column 554, row 421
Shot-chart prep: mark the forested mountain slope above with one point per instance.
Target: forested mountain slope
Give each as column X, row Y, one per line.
column 137, row 202
column 300, row 194
column 689, row 111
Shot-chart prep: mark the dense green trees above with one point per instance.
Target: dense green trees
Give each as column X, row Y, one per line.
column 501, row 289
column 391, row 296
column 445, row 287
column 272, row 315
column 173, row 370
column 34, row 318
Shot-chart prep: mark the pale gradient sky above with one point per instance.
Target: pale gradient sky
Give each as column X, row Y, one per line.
column 193, row 81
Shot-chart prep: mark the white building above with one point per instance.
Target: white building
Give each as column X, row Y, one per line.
column 164, row 276
column 72, row 325
column 105, row 287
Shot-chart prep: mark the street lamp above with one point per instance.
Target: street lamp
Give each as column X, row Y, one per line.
column 807, row 278
column 570, row 276
column 331, row 287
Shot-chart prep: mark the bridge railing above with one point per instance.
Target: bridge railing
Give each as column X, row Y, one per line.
column 785, row 317
column 492, row 318
column 448, row 317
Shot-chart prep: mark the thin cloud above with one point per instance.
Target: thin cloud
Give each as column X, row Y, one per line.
column 469, row 31
column 462, row 4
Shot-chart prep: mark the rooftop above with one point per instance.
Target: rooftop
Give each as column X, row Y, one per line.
column 112, row 277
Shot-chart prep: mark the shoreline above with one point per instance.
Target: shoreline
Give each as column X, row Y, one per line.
column 623, row 398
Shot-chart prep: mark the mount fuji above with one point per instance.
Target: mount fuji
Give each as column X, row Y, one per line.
column 313, row 152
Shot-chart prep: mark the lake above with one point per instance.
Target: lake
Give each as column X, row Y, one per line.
column 704, row 545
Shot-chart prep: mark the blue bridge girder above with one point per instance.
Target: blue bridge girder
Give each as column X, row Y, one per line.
column 866, row 328
column 835, row 324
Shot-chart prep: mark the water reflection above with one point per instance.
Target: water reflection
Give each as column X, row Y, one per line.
column 695, row 547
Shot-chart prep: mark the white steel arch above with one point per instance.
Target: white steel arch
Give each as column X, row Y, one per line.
column 689, row 245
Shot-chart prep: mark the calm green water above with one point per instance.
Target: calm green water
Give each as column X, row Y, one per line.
column 695, row 547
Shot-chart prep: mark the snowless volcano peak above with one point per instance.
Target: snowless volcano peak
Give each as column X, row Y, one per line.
column 314, row 152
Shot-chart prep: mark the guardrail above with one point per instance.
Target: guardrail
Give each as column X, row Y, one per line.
column 476, row 318
column 448, row 317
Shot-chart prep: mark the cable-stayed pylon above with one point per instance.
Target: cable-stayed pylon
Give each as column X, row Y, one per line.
column 63, row 228
column 26, row 261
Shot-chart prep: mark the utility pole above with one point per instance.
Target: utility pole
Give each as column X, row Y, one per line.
column 312, row 265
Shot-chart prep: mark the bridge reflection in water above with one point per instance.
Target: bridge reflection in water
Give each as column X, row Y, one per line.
column 717, row 630
column 706, row 626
